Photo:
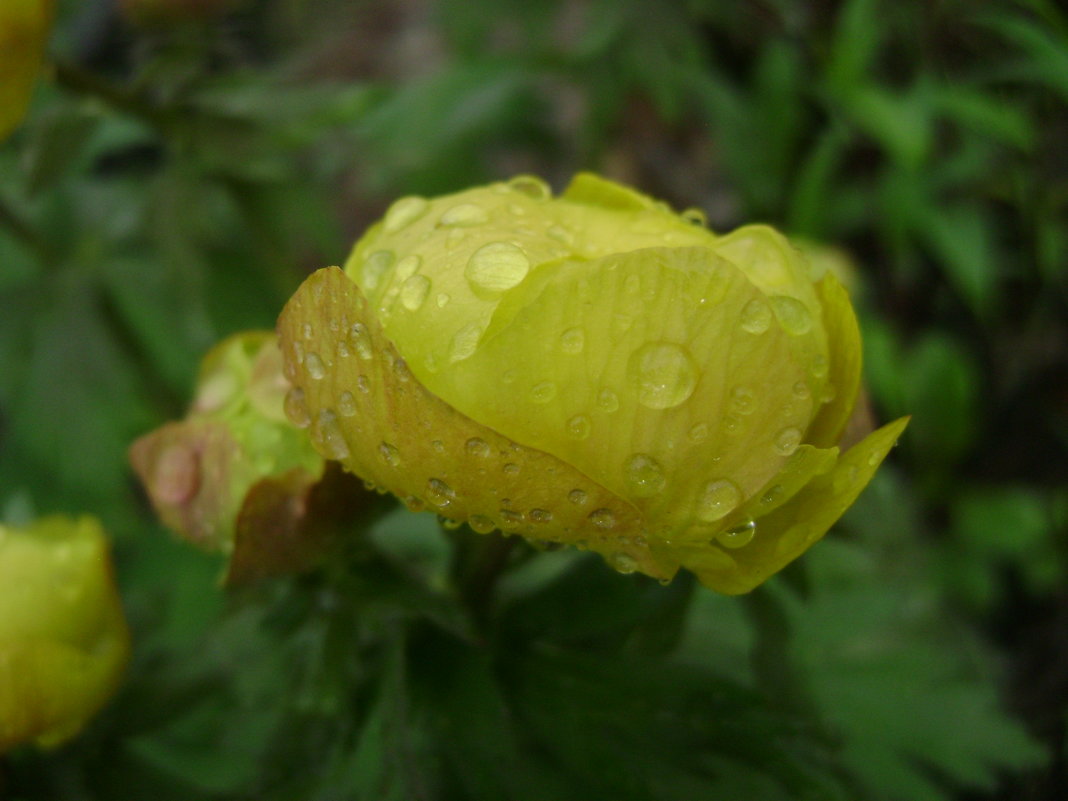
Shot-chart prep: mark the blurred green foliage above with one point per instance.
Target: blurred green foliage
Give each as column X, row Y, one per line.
column 173, row 184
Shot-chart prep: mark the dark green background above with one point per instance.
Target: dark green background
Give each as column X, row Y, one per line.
column 173, row 183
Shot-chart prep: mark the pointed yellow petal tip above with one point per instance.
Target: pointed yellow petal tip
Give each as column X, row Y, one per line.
column 591, row 369
column 24, row 29
column 63, row 637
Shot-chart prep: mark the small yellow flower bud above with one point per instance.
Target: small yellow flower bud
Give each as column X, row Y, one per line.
column 63, row 637
column 591, row 369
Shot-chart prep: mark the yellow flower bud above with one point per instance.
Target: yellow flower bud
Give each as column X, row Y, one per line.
column 63, row 637
column 24, row 29
column 234, row 475
column 590, row 369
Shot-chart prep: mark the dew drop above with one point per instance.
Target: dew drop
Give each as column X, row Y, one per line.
column 787, row 440
column 296, row 409
column 560, row 234
column 573, row 340
column 481, row 524
column 362, row 384
column 737, row 536
column 407, row 267
column 743, row 400
column 438, row 493
column 478, row 447
column 819, row 366
column 510, row 519
column 465, row 342
column 438, row 446
column 664, row 373
column 643, row 475
column 307, row 330
column 511, row 469
column 541, row 516
column 602, row 518
column 756, row 316
column 608, row 400
column 579, row 426
column 413, row 292
column 442, row 299
column 531, row 186
column 361, row 341
column 875, row 457
column 698, row 433
column 404, row 212
column 463, row 215
column 801, row 390
column 828, row 394
column 375, row 267
column 577, row 497
column 772, row 495
column 343, row 351
column 389, row 454
column 793, row 315
column 623, row 562
column 717, row 500
column 327, row 434
column 543, row 392
column 695, row 216
column 496, row 267
column 314, row 365
column 346, row 404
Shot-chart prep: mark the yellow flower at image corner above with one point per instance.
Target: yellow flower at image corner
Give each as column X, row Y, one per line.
column 63, row 637
column 24, row 29
column 590, row 369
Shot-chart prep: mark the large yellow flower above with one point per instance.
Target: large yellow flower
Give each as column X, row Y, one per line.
column 591, row 369
column 63, row 637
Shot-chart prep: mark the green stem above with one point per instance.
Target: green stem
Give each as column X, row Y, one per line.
column 480, row 565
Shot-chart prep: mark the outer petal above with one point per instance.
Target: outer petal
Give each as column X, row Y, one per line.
column 786, row 532
column 63, row 638
column 640, row 370
column 24, row 29
column 365, row 409
column 843, row 380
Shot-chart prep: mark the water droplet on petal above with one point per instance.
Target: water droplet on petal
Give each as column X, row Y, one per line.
column 623, row 562
column 327, row 434
column 772, row 495
column 361, row 341
column 743, row 400
column 699, row 433
column 414, row 291
column 375, row 266
column 442, row 300
column 465, row 342
column 296, row 409
column 717, row 500
column 793, row 315
column 801, row 390
column 664, row 373
column 438, row 446
column 756, row 316
column 481, row 524
column 737, row 536
column 463, row 215
column 607, row 400
column 510, row 519
column 496, row 267
column 346, row 404
column 541, row 516
column 531, row 186
column 577, row 497
column 695, row 216
column 314, row 365
column 407, row 267
column 560, row 234
column 389, row 454
column 439, row 493
column 543, row 392
column 579, row 426
column 573, row 340
column 787, row 440
column 644, row 475
column 362, row 384
column 478, row 447
column 404, row 212
column 511, row 469
column 602, row 518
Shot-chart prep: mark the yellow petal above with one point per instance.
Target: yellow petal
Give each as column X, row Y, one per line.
column 843, row 379
column 24, row 28
column 788, row 531
column 368, row 411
